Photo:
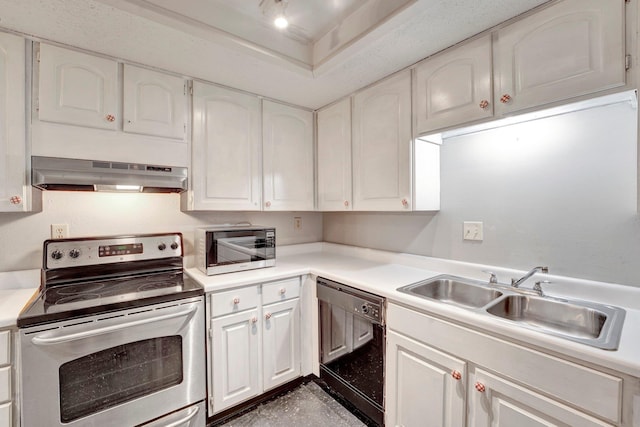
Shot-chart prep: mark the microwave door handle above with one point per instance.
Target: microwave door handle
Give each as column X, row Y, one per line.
column 37, row 340
column 185, row 420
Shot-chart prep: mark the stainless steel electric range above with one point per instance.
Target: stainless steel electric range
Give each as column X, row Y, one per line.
column 115, row 336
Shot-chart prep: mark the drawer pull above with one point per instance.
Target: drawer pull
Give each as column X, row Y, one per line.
column 283, row 291
column 456, row 375
column 236, row 301
column 267, row 316
column 254, row 319
column 480, row 387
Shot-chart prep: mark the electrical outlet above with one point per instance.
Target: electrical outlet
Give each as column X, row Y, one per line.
column 59, row 231
column 297, row 223
column 472, row 230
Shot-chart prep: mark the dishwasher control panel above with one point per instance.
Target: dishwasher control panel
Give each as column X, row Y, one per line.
column 361, row 303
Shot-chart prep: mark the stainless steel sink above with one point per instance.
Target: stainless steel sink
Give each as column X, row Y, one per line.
column 593, row 324
column 453, row 290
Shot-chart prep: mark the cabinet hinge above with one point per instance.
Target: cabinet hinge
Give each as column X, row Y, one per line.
column 211, row 332
column 627, row 62
column 38, row 55
column 191, row 90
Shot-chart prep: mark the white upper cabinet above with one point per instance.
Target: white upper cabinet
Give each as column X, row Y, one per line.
column 382, row 146
column 16, row 194
column 287, row 138
column 572, row 48
column 154, row 103
column 454, row 87
column 77, row 89
column 226, row 149
column 334, row 157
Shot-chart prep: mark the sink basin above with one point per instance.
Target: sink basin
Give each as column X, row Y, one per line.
column 453, row 290
column 597, row 325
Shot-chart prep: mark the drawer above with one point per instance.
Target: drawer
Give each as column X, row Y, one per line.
column 280, row 290
column 235, row 300
column 5, row 384
column 5, row 415
column 5, row 347
column 595, row 392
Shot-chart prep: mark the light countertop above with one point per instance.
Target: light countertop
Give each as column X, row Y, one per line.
column 382, row 273
column 16, row 289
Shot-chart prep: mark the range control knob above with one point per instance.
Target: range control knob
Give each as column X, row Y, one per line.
column 174, row 245
column 74, row 253
column 162, row 246
column 365, row 308
column 56, row 254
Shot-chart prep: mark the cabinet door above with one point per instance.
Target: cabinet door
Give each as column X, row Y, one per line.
column 154, row 103
column 5, row 415
column 288, row 158
column 382, row 146
column 496, row 402
column 281, row 342
column 227, row 159
column 334, row 157
column 77, row 89
column 425, row 387
column 12, row 124
column 455, row 87
column 235, row 353
column 572, row 48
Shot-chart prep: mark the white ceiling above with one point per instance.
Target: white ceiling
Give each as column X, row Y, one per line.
column 334, row 48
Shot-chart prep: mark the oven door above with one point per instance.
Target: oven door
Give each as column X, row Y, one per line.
column 116, row 369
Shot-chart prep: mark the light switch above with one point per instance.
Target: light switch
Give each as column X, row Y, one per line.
column 472, row 230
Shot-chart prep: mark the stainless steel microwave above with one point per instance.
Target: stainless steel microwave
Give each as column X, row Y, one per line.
column 228, row 249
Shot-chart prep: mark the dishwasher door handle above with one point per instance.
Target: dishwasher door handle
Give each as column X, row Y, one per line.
column 39, row 340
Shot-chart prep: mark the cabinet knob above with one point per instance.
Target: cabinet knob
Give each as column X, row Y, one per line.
column 405, row 203
column 267, row 316
column 283, row 291
column 254, row 319
column 505, row 99
column 268, row 204
column 480, row 387
column 456, row 375
column 110, row 118
column 484, row 104
column 346, row 203
column 236, row 301
column 15, row 200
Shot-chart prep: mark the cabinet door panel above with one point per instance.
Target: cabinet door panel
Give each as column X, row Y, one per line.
column 5, row 415
column 12, row 128
column 281, row 342
column 227, row 158
column 154, row 103
column 334, row 157
column 452, row 88
column 505, row 404
column 77, row 89
column 381, row 146
column 288, row 158
column 421, row 390
column 572, row 48
column 235, row 354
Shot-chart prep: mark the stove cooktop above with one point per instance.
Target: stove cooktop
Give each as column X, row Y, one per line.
column 92, row 283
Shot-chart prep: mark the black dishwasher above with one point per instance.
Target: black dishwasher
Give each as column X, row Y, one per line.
column 352, row 346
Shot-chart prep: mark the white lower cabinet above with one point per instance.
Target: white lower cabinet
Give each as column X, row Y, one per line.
column 497, row 402
column 428, row 384
column 254, row 341
column 442, row 374
column 6, row 388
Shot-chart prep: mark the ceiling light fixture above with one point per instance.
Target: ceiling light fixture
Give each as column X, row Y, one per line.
column 281, row 21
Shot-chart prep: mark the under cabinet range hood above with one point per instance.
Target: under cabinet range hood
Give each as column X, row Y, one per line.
column 52, row 173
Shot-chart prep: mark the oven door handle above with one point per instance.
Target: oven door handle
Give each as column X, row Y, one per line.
column 186, row 419
column 37, row 340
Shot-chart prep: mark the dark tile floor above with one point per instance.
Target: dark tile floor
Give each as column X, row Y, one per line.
column 306, row 406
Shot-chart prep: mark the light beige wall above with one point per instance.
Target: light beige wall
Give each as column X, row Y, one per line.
column 96, row 214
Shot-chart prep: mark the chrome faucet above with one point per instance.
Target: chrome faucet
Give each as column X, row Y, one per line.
column 516, row 283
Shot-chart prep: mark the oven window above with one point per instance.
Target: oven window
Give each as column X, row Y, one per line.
column 118, row 374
